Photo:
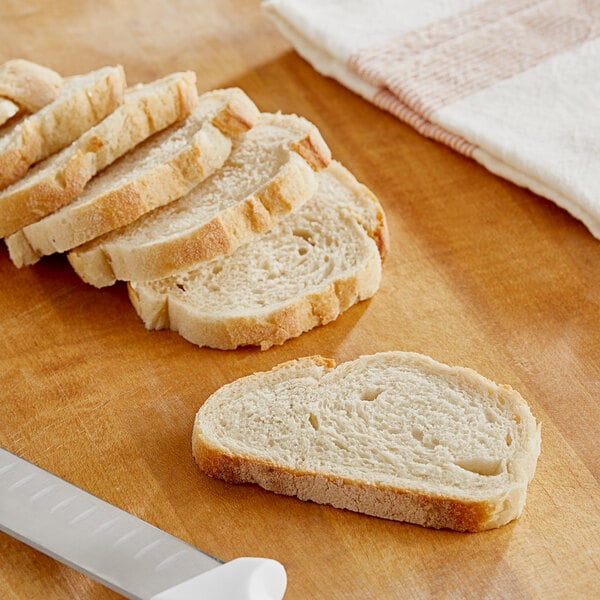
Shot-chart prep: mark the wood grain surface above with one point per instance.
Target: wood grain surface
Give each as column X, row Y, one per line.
column 480, row 273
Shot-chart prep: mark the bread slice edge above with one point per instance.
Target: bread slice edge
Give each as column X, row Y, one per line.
column 29, row 84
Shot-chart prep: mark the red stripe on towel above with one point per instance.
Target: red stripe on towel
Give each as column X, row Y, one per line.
column 434, row 66
column 388, row 101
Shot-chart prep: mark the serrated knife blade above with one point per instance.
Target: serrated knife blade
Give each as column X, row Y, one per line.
column 119, row 550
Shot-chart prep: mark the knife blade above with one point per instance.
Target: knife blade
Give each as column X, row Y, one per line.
column 121, row 551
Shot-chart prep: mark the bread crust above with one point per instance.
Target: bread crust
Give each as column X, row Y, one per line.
column 16, row 160
column 27, row 205
column 378, row 501
column 133, row 122
column 118, row 207
column 501, row 505
column 30, row 85
column 313, row 149
column 238, row 115
column 36, row 137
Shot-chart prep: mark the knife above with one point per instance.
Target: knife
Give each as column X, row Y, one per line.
column 116, row 548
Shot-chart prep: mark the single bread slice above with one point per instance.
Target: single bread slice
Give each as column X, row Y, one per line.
column 30, row 85
column 61, row 177
column 155, row 173
column 8, row 110
column 395, row 435
column 83, row 101
column 261, row 182
column 312, row 266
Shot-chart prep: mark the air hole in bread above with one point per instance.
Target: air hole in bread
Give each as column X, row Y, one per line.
column 490, row 416
column 488, row 467
column 340, row 445
column 302, row 251
column 305, row 235
column 417, row 434
column 370, row 394
column 314, row 422
column 217, row 269
column 509, row 439
column 181, row 286
column 426, row 440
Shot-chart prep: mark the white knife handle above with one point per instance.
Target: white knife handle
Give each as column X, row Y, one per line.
column 239, row 579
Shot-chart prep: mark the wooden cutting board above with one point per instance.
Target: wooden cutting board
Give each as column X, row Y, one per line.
column 480, row 273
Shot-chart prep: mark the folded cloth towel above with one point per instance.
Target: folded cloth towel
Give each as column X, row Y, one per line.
column 513, row 84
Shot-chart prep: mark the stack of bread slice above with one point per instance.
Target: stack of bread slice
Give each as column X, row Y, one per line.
column 231, row 226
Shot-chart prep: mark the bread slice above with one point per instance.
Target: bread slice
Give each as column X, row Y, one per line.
column 261, row 181
column 155, row 173
column 8, row 110
column 395, row 435
column 30, row 85
column 311, row 267
column 83, row 101
column 57, row 180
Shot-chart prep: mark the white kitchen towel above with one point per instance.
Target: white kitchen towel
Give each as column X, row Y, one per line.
column 513, row 84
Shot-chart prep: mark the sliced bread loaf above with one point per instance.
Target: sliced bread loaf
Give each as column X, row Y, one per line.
column 83, row 101
column 57, row 180
column 394, row 435
column 30, row 85
column 312, row 266
column 156, row 172
column 262, row 181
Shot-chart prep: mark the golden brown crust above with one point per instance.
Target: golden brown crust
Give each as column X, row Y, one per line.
column 378, row 501
column 297, row 363
column 30, row 85
column 36, row 137
column 15, row 161
column 313, row 149
column 28, row 205
column 238, row 116
column 187, row 94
